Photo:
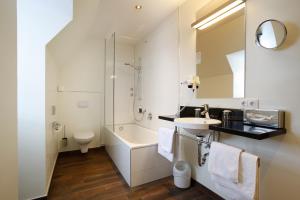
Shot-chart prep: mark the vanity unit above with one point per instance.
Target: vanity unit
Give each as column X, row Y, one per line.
column 235, row 125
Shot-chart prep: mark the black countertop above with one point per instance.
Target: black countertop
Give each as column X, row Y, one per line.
column 246, row 130
column 239, row 128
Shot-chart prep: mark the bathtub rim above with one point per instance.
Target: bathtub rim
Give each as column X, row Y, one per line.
column 129, row 144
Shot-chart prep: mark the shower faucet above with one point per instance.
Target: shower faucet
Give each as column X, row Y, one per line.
column 149, row 116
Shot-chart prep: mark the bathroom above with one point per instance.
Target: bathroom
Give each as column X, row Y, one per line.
column 101, row 66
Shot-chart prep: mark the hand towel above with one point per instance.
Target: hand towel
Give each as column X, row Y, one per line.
column 247, row 188
column 166, row 143
column 224, row 161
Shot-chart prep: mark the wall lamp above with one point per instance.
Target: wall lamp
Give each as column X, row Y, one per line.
column 222, row 12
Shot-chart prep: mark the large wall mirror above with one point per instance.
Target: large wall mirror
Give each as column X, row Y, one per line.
column 221, row 54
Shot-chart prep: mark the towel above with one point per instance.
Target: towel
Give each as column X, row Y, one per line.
column 224, row 161
column 166, row 143
column 247, row 188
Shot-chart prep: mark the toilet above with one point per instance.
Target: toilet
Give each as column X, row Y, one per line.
column 83, row 139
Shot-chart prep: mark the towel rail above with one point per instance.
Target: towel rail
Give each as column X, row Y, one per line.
column 200, row 139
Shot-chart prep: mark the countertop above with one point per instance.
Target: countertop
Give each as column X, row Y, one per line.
column 240, row 128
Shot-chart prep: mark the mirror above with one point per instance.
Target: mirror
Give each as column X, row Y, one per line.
column 271, row 34
column 221, row 58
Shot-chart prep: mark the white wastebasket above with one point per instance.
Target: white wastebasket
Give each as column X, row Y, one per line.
column 182, row 174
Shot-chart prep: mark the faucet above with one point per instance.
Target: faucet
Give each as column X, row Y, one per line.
column 206, row 111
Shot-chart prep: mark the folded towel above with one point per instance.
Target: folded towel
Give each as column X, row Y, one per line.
column 166, row 143
column 247, row 188
column 224, row 161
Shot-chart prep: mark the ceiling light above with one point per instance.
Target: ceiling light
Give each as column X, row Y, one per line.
column 222, row 13
column 138, row 7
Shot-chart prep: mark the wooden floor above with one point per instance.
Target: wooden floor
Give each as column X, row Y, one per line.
column 94, row 176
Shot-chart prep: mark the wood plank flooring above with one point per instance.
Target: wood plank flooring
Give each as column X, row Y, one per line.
column 94, row 176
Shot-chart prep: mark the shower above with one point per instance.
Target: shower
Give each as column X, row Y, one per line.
column 137, row 83
column 133, row 67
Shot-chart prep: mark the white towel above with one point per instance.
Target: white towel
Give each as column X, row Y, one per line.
column 247, row 188
column 166, row 143
column 224, row 161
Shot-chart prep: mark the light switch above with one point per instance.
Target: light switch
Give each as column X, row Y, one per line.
column 53, row 110
column 253, row 103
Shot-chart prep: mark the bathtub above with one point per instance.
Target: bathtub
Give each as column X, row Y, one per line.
column 133, row 149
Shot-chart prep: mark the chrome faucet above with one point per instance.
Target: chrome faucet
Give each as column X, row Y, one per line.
column 206, row 111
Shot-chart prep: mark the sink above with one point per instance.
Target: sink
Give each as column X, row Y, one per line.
column 195, row 125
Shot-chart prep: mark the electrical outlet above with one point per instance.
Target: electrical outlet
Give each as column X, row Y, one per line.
column 253, row 103
column 244, row 103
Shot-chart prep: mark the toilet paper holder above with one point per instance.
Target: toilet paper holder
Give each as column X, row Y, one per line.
column 56, row 126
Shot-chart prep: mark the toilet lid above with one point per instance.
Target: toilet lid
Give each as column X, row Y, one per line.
column 84, row 135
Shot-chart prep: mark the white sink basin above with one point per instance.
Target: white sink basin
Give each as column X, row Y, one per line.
column 195, row 123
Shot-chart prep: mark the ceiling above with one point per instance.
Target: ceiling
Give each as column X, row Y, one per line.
column 120, row 16
column 100, row 18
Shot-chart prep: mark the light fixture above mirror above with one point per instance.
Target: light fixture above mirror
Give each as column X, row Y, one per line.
column 220, row 50
column 219, row 14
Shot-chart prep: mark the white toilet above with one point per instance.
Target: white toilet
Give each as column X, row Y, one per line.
column 83, row 139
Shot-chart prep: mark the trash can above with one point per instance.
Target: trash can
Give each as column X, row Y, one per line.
column 182, row 174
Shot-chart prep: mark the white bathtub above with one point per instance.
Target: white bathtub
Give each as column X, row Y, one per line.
column 133, row 149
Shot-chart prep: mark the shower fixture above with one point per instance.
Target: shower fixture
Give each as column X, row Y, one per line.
column 132, row 66
column 134, row 90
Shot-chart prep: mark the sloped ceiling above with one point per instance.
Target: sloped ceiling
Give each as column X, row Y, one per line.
column 98, row 18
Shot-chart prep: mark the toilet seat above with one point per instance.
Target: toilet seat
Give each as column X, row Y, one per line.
column 84, row 135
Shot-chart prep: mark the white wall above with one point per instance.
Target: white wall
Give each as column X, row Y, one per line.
column 82, row 79
column 38, row 23
column 159, row 61
column 8, row 106
column 51, row 99
column 272, row 76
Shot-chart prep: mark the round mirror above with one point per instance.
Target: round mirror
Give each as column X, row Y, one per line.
column 271, row 34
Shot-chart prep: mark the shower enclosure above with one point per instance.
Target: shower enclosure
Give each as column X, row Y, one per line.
column 132, row 148
column 123, row 84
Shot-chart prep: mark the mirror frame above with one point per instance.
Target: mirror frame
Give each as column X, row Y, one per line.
column 269, row 20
